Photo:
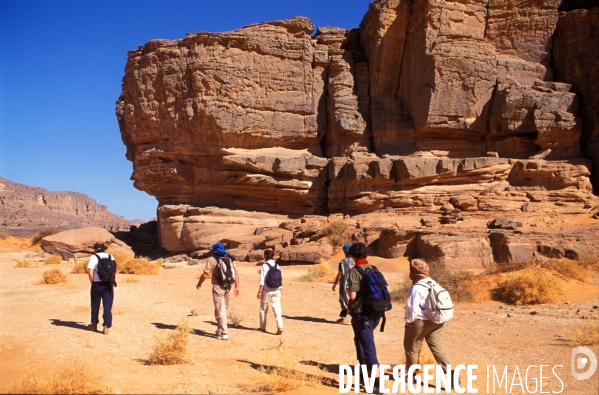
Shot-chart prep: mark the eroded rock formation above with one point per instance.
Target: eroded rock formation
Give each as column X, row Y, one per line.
column 25, row 210
column 444, row 109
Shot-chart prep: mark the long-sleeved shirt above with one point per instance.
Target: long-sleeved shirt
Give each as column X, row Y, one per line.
column 417, row 297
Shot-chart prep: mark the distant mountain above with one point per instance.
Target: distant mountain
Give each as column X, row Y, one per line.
column 25, row 210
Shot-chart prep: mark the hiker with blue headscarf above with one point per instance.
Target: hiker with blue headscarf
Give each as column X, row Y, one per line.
column 344, row 267
column 224, row 275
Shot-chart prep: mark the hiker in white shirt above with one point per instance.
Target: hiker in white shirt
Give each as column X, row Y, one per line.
column 269, row 296
column 418, row 326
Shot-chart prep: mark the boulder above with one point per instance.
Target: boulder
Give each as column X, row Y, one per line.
column 307, row 253
column 78, row 243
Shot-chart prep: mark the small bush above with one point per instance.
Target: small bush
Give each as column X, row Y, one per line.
column 279, row 379
column 234, row 319
column 508, row 267
column 80, row 267
column 43, row 233
column 173, row 348
column 456, row 282
column 589, row 261
column 338, row 233
column 567, row 268
column 26, row 263
column 322, row 271
column 138, row 266
column 53, row 260
column 585, row 333
column 129, row 279
column 54, row 276
column 531, row 286
column 400, row 293
column 75, row 377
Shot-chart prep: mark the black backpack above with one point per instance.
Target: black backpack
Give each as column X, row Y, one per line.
column 376, row 295
column 106, row 268
column 273, row 278
column 226, row 272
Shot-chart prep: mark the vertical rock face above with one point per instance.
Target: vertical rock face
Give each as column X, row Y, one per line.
column 430, row 106
column 575, row 59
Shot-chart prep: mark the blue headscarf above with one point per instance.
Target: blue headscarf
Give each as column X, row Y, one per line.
column 346, row 248
column 218, row 248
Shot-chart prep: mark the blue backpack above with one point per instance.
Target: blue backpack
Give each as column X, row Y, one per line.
column 273, row 278
column 376, row 295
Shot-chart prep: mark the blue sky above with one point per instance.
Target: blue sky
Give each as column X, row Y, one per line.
column 61, row 66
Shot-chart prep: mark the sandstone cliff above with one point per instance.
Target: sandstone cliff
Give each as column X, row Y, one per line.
column 25, row 210
column 429, row 108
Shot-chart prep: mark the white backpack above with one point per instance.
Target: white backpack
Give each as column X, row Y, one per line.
column 438, row 306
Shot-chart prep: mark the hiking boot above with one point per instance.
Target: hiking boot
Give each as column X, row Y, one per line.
column 341, row 321
column 222, row 336
column 93, row 327
column 279, row 331
column 106, row 330
column 261, row 330
column 218, row 332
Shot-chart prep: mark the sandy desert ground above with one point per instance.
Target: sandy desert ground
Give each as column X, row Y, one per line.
column 43, row 326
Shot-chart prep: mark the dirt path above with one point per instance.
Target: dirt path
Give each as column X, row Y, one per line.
column 44, row 325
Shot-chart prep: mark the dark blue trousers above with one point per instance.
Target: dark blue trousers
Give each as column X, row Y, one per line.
column 102, row 292
column 364, row 326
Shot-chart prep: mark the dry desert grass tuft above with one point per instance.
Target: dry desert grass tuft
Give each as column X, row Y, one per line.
column 53, row 260
column 126, row 264
column 338, row 233
column 234, row 319
column 80, row 267
column 568, row 268
column 54, row 276
column 72, row 378
column 129, row 279
column 322, row 271
column 173, row 348
column 279, row 379
column 26, row 263
column 529, row 286
column 457, row 283
column 585, row 333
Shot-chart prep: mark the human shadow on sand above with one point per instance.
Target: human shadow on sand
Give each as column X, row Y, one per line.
column 69, row 324
column 234, row 326
column 310, row 319
column 197, row 332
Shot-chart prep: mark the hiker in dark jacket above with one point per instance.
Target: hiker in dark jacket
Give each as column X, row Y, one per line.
column 220, row 290
column 362, row 323
column 102, row 291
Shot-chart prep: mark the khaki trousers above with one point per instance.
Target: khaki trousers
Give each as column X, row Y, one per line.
column 220, row 297
column 272, row 298
column 418, row 331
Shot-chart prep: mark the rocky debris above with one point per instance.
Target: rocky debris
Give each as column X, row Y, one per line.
column 25, row 210
column 78, row 243
column 504, row 223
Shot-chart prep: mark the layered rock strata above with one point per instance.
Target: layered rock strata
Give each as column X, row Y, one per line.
column 25, row 210
column 428, row 108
